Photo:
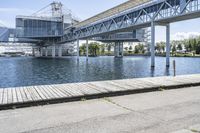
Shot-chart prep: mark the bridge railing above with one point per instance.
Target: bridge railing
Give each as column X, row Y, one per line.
column 137, row 17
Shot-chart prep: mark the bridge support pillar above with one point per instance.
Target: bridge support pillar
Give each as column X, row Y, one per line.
column 87, row 49
column 152, row 44
column 168, row 45
column 60, row 51
column 41, row 51
column 77, row 49
column 46, row 51
column 118, row 50
column 53, row 51
column 33, row 52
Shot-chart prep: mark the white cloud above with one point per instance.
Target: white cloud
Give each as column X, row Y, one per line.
column 185, row 35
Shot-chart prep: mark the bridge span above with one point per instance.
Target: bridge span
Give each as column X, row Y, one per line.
column 125, row 22
column 149, row 14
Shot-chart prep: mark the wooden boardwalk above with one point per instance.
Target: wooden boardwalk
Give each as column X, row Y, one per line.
column 34, row 95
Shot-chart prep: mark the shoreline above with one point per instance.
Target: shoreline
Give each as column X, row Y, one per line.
column 19, row 97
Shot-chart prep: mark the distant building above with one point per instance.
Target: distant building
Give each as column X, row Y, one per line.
column 7, row 34
column 10, row 47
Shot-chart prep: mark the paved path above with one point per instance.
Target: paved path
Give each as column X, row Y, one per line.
column 168, row 111
column 34, row 95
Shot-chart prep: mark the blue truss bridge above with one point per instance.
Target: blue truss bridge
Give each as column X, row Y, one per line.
column 53, row 25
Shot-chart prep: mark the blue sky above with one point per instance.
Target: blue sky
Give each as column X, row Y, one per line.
column 85, row 9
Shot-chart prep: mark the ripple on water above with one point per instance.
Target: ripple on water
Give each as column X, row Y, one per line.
column 25, row 71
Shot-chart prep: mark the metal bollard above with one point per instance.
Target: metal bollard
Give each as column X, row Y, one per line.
column 174, row 67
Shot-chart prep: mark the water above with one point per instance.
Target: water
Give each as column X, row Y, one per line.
column 23, row 71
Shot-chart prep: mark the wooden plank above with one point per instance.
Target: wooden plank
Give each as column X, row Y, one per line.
column 10, row 95
column 134, row 84
column 78, row 88
column 70, row 89
column 55, row 91
column 37, row 96
column 43, row 92
column 66, row 90
column 102, row 90
column 32, row 94
column 37, row 89
column 148, row 82
column 29, row 98
column 19, row 96
column 120, row 86
column 58, row 91
column 55, row 95
column 186, row 79
column 121, row 83
column 73, row 90
column 47, row 92
column 85, row 88
column 142, row 83
column 36, row 93
column 15, row 99
column 106, row 86
column 24, row 97
column 1, row 96
column 62, row 90
column 5, row 96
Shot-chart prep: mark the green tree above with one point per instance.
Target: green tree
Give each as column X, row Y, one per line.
column 162, row 45
column 109, row 46
column 130, row 49
column 158, row 47
column 139, row 49
column 190, row 45
column 186, row 45
column 198, row 47
column 136, row 51
column 102, row 47
column 179, row 47
column 173, row 49
column 82, row 49
column 126, row 48
column 194, row 44
column 94, row 48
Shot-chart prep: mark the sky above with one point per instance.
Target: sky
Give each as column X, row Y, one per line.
column 84, row 9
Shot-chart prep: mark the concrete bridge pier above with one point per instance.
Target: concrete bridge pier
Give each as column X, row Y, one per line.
column 118, row 49
column 152, row 44
column 87, row 49
column 168, row 48
column 33, row 52
column 60, row 51
column 53, row 51
column 40, row 51
column 46, row 51
column 77, row 49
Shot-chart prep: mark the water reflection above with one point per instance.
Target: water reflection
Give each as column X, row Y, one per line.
column 34, row 71
column 167, row 71
column 152, row 71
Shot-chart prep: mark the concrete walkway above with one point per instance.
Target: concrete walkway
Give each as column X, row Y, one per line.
column 168, row 111
column 38, row 95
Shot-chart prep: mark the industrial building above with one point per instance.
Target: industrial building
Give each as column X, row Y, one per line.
column 52, row 26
